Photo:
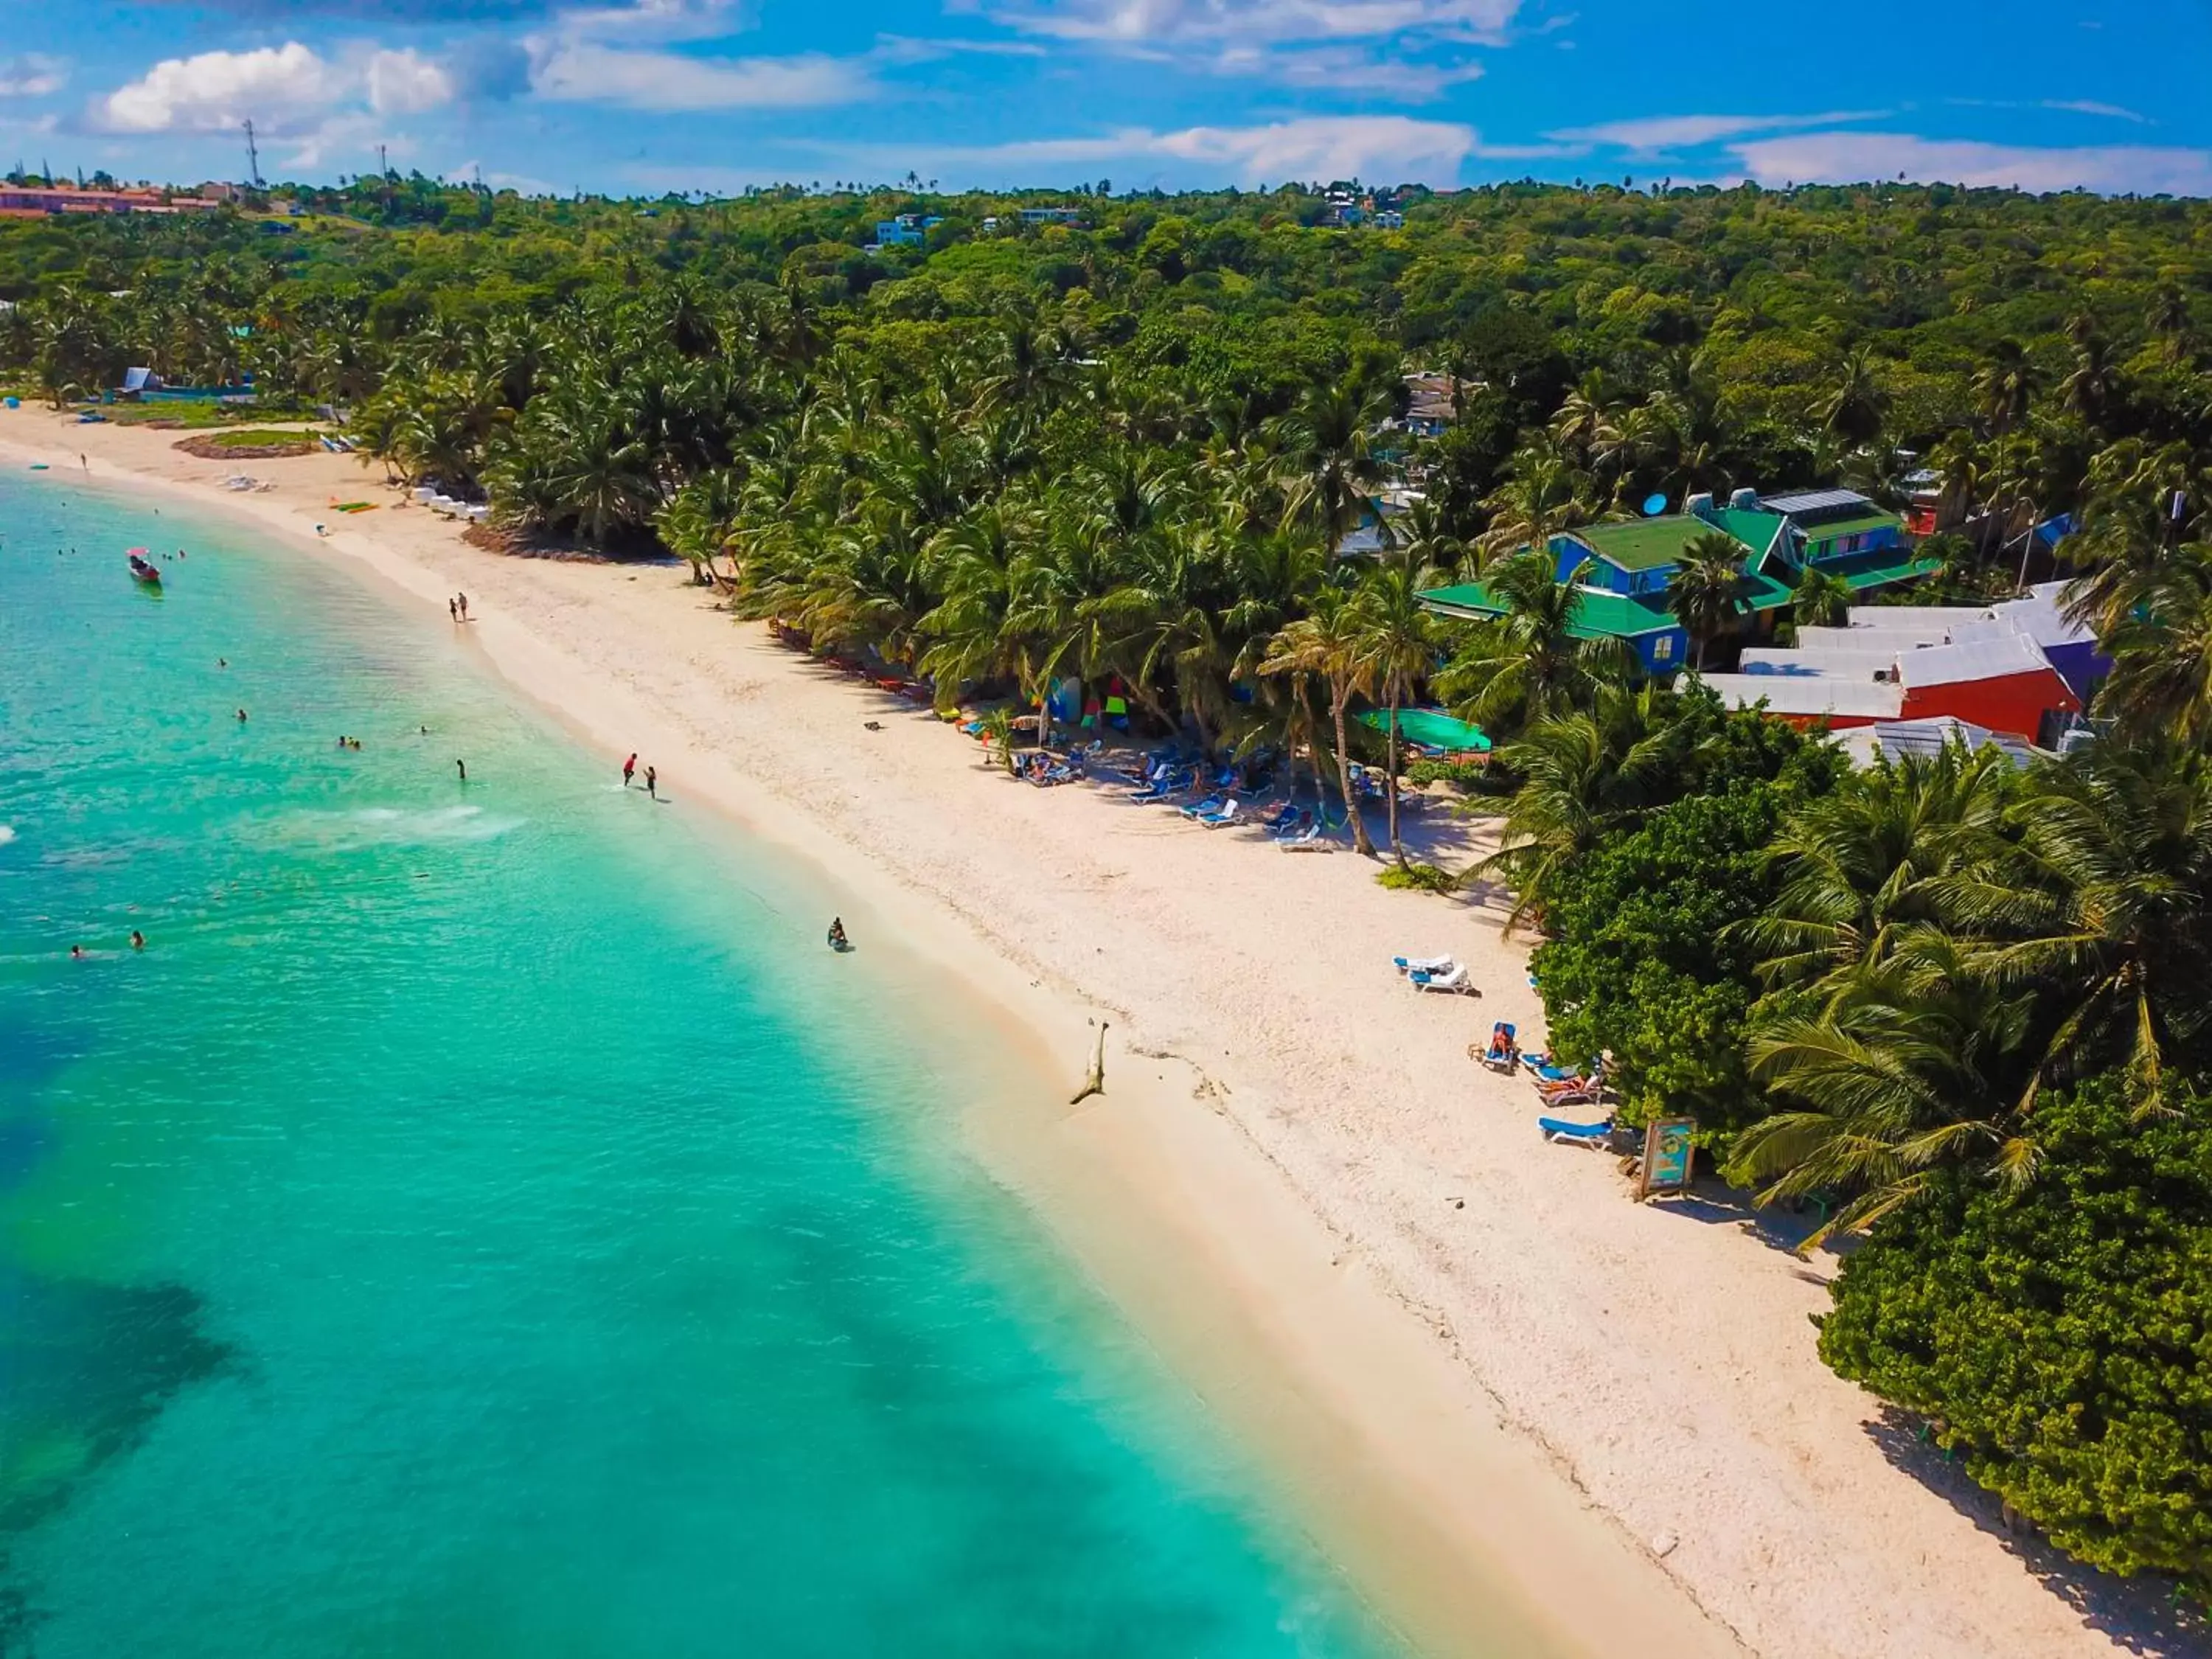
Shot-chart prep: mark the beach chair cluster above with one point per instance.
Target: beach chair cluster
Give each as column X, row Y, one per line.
column 1216, row 796
column 1438, row 974
column 1580, row 1090
column 450, row 506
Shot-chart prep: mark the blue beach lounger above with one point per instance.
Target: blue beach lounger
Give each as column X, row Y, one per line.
column 1579, row 1134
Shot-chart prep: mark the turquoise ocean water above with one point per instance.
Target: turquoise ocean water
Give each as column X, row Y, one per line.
column 484, row 1221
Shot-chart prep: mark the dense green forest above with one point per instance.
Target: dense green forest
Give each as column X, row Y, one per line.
column 1958, row 1006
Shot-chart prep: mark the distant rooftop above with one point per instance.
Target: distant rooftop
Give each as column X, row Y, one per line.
column 1815, row 501
column 1643, row 544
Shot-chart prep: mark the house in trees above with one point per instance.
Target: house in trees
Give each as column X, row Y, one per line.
column 1622, row 574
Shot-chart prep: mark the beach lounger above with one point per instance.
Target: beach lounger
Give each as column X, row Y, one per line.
column 1199, row 809
column 1455, row 979
column 1422, row 964
column 1226, row 815
column 1311, row 839
column 1577, row 1134
column 1282, row 818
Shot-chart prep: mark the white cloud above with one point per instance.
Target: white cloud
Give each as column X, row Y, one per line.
column 1133, row 22
column 286, row 91
column 406, row 83
column 2089, row 106
column 655, row 20
column 281, row 87
column 578, row 72
column 1409, row 50
column 1666, row 132
column 1382, row 149
column 1851, row 157
column 33, row 74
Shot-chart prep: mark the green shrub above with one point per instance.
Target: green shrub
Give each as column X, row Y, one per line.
column 1418, row 878
column 2059, row 1339
column 1463, row 774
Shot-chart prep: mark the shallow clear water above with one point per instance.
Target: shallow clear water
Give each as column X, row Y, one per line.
column 484, row 1220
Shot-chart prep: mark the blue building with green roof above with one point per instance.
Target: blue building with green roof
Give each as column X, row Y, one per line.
column 1622, row 571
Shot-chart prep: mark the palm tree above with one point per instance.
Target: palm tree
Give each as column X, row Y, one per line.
column 1583, row 773
column 1398, row 647
column 1856, row 411
column 1877, row 859
column 1333, row 475
column 2106, row 912
column 2006, row 385
column 2159, row 639
column 1544, row 493
column 1909, row 1065
column 1708, row 589
column 2092, row 387
column 1326, row 644
column 1823, row 598
column 1530, row 660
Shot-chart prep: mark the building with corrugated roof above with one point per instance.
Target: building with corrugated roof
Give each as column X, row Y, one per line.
column 2017, row 667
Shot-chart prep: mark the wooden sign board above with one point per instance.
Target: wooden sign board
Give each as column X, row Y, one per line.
column 1669, row 1156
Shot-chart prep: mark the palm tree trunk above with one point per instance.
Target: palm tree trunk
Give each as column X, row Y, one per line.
column 1390, row 775
column 1340, row 694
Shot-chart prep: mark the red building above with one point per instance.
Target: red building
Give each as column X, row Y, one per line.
column 35, row 201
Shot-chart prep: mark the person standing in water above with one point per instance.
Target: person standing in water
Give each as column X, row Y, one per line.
column 629, row 767
column 462, row 767
column 453, row 609
column 137, row 939
column 241, row 717
column 464, row 598
column 651, row 783
column 837, row 940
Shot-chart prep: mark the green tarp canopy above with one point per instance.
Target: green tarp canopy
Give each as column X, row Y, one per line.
column 1432, row 728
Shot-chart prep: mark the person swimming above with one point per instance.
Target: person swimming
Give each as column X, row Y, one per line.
column 137, row 939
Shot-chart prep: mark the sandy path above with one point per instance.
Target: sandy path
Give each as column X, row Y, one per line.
column 1658, row 1358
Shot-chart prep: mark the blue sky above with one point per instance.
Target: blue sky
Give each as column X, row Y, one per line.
column 629, row 95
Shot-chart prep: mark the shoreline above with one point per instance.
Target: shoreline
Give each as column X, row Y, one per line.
column 1498, row 1392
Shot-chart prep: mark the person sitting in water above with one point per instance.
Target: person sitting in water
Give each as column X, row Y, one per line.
column 837, row 940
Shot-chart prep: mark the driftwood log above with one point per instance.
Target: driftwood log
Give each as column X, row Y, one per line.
column 1096, row 1083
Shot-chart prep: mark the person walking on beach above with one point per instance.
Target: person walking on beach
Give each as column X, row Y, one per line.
column 629, row 767
column 453, row 609
column 464, row 598
column 651, row 783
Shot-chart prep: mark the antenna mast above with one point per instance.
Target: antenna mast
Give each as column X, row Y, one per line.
column 252, row 159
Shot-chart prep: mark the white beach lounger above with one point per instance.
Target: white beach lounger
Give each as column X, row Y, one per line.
column 1423, row 964
column 1455, row 979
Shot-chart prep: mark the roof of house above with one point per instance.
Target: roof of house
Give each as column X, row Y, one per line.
column 1824, row 529
column 1813, row 502
column 1863, row 664
column 1861, row 572
column 1643, row 544
column 1755, row 529
column 1978, row 659
column 1810, row 696
column 1894, row 739
column 1600, row 615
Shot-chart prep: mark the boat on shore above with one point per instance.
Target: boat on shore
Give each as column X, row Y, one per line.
column 142, row 570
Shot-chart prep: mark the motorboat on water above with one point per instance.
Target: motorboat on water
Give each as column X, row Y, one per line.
column 143, row 569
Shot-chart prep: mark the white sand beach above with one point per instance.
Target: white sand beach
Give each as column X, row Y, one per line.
column 1502, row 1390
